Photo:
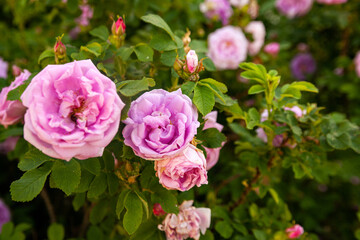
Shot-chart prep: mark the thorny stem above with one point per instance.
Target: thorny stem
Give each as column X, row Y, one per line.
column 48, row 205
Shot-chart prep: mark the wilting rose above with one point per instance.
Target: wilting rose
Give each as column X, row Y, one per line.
column 5, row 214
column 12, row 112
column 73, row 111
column 188, row 223
column 160, row 124
column 294, row 231
column 212, row 154
column 330, row 2
column 227, row 47
column 183, row 171
column 217, row 10
column 257, row 29
column 294, row 8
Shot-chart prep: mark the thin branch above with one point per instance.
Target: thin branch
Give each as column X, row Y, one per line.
column 49, row 205
column 226, row 182
column 86, row 220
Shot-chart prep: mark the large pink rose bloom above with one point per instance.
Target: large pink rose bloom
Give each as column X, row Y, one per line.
column 160, row 124
column 188, row 223
column 294, row 8
column 183, row 171
column 73, row 111
column 330, row 2
column 212, row 154
column 257, row 29
column 295, row 231
column 12, row 111
column 227, row 47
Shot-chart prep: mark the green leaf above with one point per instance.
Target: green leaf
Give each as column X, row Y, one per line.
column 144, row 202
column 168, row 58
column 252, row 118
column 157, row 21
column 30, row 184
column 204, row 99
column 224, row 229
column 78, row 201
column 274, row 195
column 167, row 201
column 255, row 72
column 255, row 89
column 208, row 236
column 113, row 183
column 109, row 160
column 98, row 186
column 134, row 213
column 130, row 88
column 85, row 181
column 211, row 138
column 56, row 232
column 93, row 48
column 212, row 82
column 200, row 46
column 125, row 52
column 99, row 211
column 339, row 142
column 187, row 88
column 121, row 202
column 259, row 234
column 16, row 93
column 143, row 52
column 146, row 231
column 209, row 65
column 101, row 32
column 48, row 53
column 163, row 42
column 10, row 132
column 66, row 175
column 304, row 86
column 92, row 165
column 94, row 233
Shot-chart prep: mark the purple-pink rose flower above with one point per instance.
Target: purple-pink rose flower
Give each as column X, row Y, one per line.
column 183, row 171
column 257, row 29
column 8, row 145
column 272, row 48
column 73, row 111
column 217, row 10
column 12, row 112
column 160, row 124
column 302, row 65
column 3, row 68
column 227, row 47
column 212, row 154
column 357, row 63
column 294, row 8
column 5, row 214
column 330, row 2
column 294, row 231
column 188, row 223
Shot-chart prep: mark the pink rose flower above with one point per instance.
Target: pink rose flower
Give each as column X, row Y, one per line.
column 3, row 68
column 257, row 29
column 272, row 48
column 330, row 2
column 160, row 124
column 192, row 61
column 217, row 10
column 183, row 171
column 212, row 154
column 239, row 3
column 188, row 223
column 73, row 111
column 12, row 112
column 295, row 231
column 357, row 63
column 227, row 47
column 8, row 145
column 294, row 8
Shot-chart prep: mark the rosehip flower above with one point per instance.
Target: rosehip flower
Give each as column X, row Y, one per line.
column 239, row 3
column 257, row 29
column 118, row 28
column 272, row 48
column 160, row 124
column 302, row 65
column 212, row 154
column 183, row 171
column 192, row 61
column 12, row 112
column 294, row 231
column 3, row 68
column 357, row 63
column 157, row 210
column 188, row 223
column 330, row 2
column 227, row 47
column 217, row 10
column 73, row 111
column 294, row 8
column 5, row 214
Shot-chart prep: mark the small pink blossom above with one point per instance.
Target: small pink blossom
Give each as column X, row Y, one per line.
column 295, row 231
column 228, row 47
column 297, row 110
column 212, row 154
column 3, row 68
column 183, row 171
column 257, row 29
column 192, row 61
column 12, row 112
column 272, row 48
column 330, row 2
column 357, row 63
column 188, row 223
column 294, row 8
column 217, row 10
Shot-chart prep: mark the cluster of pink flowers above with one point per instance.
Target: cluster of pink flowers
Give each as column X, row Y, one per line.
column 188, row 223
column 294, row 8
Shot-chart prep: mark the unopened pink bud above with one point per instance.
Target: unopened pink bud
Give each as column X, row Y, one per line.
column 192, row 61
column 118, row 28
column 272, row 48
column 157, row 210
column 295, row 231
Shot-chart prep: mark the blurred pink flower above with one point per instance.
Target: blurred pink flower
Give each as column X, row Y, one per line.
column 357, row 63
column 5, row 214
column 272, row 48
column 86, row 14
column 239, row 3
column 3, row 68
column 294, row 231
column 257, row 29
column 217, row 10
column 8, row 145
column 330, row 2
column 294, row 8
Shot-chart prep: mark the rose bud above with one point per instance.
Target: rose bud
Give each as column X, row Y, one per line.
column 157, row 210
column 60, row 51
column 192, row 61
column 295, row 231
column 118, row 27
